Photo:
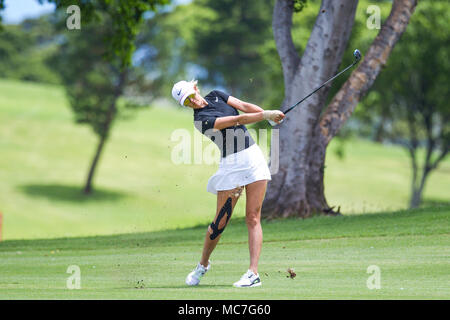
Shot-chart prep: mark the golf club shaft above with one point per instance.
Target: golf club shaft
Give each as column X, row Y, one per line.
column 325, row 83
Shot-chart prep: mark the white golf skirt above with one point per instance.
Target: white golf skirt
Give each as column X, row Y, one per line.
column 239, row 169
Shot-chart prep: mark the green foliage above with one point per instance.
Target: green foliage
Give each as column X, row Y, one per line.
column 91, row 81
column 231, row 50
column 361, row 38
column 165, row 44
column 222, row 43
column 24, row 49
column 408, row 104
column 218, row 42
column 413, row 90
column 125, row 16
column 299, row 5
column 2, row 7
column 230, row 44
column 94, row 62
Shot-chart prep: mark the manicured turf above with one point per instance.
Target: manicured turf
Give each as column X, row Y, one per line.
column 124, row 240
column 329, row 255
column 45, row 158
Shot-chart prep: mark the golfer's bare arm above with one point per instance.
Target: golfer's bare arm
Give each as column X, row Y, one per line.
column 243, row 106
column 252, row 114
column 230, row 121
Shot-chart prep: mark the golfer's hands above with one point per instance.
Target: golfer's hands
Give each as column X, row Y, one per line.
column 273, row 115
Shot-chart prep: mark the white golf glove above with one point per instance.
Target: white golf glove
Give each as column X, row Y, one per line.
column 273, row 115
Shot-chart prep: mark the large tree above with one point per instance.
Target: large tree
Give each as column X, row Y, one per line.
column 100, row 57
column 95, row 62
column 298, row 187
column 93, row 84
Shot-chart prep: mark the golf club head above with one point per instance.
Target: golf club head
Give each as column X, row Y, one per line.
column 357, row 54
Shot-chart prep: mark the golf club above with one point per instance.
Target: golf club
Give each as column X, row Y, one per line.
column 356, row 55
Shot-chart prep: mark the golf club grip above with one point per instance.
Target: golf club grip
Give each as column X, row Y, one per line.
column 337, row 75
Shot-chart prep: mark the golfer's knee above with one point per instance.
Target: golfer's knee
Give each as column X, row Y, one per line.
column 222, row 223
column 215, row 230
column 252, row 219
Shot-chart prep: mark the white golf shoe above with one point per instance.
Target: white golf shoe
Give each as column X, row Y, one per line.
column 195, row 276
column 249, row 279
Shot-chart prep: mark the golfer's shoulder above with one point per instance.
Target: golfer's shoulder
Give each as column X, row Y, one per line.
column 219, row 94
column 211, row 94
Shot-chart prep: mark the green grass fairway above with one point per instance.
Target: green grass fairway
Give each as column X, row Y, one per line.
column 45, row 156
column 329, row 255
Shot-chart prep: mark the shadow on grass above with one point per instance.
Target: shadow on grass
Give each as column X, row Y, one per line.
column 70, row 193
column 430, row 221
column 431, row 202
column 181, row 286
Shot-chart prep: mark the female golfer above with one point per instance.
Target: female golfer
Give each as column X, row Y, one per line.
column 242, row 165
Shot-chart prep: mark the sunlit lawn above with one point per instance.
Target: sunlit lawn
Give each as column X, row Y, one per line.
column 330, row 256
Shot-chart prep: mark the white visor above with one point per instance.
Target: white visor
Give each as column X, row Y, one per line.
column 181, row 90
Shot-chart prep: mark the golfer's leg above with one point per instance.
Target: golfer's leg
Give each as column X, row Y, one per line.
column 226, row 200
column 254, row 196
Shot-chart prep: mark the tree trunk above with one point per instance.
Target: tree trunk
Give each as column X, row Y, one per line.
column 88, row 186
column 416, row 198
column 298, row 188
column 432, row 147
column 110, row 115
column 380, row 130
column 414, row 169
column 417, row 191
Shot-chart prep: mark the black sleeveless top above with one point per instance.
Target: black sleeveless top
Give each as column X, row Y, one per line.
column 229, row 140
